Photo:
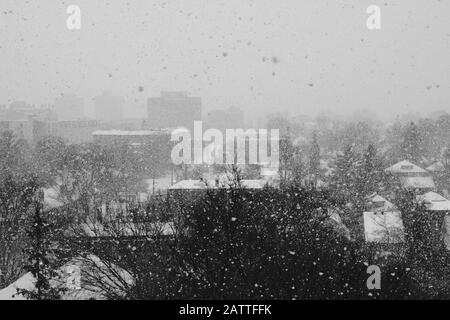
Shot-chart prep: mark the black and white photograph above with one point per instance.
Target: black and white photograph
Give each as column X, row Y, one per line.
column 224, row 155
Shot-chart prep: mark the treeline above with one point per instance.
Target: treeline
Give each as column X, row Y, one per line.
column 228, row 243
column 83, row 177
column 236, row 243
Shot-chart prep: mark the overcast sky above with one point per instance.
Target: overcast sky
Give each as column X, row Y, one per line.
column 262, row 55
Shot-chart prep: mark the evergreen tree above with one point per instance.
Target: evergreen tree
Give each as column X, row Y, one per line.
column 314, row 159
column 371, row 176
column 286, row 158
column 444, row 177
column 40, row 258
column 16, row 201
column 410, row 147
column 344, row 181
column 425, row 254
column 346, row 186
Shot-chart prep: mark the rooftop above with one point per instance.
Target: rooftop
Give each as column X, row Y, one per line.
column 211, row 184
column 417, row 183
column 380, row 204
column 384, row 227
column 405, row 167
column 434, row 201
column 128, row 133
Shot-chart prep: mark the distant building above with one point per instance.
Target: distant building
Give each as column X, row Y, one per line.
column 22, row 106
column 13, row 115
column 195, row 185
column 173, row 109
column 109, row 107
column 79, row 131
column 135, row 138
column 23, row 119
column 20, row 110
column 230, row 118
column 22, row 129
column 69, row 107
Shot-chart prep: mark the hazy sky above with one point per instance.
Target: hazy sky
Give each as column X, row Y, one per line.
column 325, row 57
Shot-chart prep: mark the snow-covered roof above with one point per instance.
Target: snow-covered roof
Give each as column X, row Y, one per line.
column 189, row 185
column 160, row 184
column 380, row 204
column 77, row 290
column 384, row 227
column 51, row 199
column 436, row 167
column 417, row 182
column 434, row 201
column 405, row 167
column 211, row 184
column 270, row 173
column 253, row 184
column 127, row 133
column 377, row 198
column 10, row 292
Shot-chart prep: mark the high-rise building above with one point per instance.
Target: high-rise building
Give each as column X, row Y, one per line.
column 174, row 109
column 109, row 107
column 69, row 107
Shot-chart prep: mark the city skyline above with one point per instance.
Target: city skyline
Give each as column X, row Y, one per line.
column 257, row 56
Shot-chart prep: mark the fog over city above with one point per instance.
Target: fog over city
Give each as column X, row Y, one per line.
column 301, row 57
column 209, row 150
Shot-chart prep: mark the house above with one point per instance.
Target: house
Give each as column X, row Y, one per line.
column 434, row 201
column 382, row 222
column 407, row 169
column 376, row 203
column 418, row 183
column 412, row 177
column 437, row 204
column 193, row 185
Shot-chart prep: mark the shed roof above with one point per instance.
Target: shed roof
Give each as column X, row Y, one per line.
column 384, row 227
